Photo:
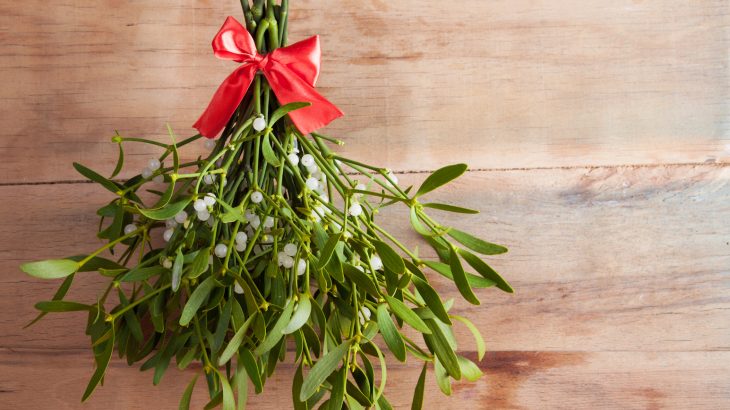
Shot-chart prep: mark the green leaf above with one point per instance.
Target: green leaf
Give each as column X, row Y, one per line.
column 485, row 270
column 95, row 263
column 474, row 280
column 241, row 385
column 275, row 334
column 139, row 274
column 442, row 378
column 166, row 212
column 300, row 316
column 229, row 402
column 338, row 389
column 102, row 362
column 196, row 300
column 249, row 362
column 416, row 223
column 328, row 250
column 166, row 196
column 120, row 162
column 441, row 177
column 450, row 208
column 441, row 347
column 50, row 269
column 297, row 389
column 221, row 328
column 232, row 214
column 417, row 403
column 62, row 306
column 322, row 370
column 404, row 312
column 286, row 109
column 476, row 244
column 391, row 260
column 481, row 346
column 269, row 154
column 175, row 154
column 235, row 342
column 469, row 370
column 200, row 264
column 106, row 183
column 432, row 299
column 362, row 280
column 188, row 394
column 462, row 283
column 177, row 270
column 130, row 318
column 390, row 333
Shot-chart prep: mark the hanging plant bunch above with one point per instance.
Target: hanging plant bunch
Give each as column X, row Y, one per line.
column 268, row 248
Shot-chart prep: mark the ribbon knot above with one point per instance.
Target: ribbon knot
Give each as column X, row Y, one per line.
column 291, row 72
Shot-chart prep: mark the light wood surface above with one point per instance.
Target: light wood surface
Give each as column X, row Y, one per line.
column 496, row 84
column 598, row 136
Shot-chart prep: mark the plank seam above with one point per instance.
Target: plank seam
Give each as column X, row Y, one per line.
column 426, row 171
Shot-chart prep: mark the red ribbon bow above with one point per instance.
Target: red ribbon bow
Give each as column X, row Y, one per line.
column 291, row 72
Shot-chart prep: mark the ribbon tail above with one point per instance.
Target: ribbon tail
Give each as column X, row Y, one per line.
column 290, row 88
column 225, row 101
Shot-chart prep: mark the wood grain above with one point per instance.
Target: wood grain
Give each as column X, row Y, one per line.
column 595, row 255
column 515, row 380
column 497, row 84
column 597, row 133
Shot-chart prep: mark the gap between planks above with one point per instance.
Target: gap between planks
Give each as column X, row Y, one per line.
column 426, row 171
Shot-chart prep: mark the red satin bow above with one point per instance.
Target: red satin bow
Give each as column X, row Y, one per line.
column 291, row 72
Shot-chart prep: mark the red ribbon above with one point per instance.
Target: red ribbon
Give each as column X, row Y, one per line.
column 291, row 72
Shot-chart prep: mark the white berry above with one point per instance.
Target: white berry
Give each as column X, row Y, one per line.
column 313, row 169
column 146, row 173
column 376, row 262
column 168, row 234
column 237, row 288
column 241, row 237
column 167, row 264
column 200, row 205
column 170, row 223
column 268, row 222
column 255, row 221
column 240, row 246
column 181, row 217
column 129, row 229
column 209, row 144
column 259, row 124
column 288, row 262
column 209, row 199
column 355, row 210
column 293, row 159
column 301, row 267
column 307, row 160
column 203, row 216
column 290, row 249
column 158, row 179
column 221, row 250
column 257, row 197
column 312, row 183
column 209, row 179
column 154, row 164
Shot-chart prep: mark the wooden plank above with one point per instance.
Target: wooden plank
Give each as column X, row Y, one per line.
column 497, row 84
column 515, row 380
column 596, row 254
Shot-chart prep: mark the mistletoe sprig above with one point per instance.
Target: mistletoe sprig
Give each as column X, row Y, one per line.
column 272, row 239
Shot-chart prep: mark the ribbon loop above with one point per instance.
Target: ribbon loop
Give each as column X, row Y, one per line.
column 291, row 71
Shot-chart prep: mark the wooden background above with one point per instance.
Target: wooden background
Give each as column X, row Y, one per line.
column 597, row 132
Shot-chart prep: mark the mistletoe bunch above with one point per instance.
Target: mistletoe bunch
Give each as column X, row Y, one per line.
column 269, row 246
